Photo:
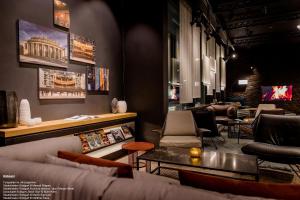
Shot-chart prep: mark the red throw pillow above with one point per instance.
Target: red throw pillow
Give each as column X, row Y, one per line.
column 124, row 170
column 240, row 187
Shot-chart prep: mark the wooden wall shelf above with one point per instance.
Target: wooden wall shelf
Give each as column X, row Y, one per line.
column 48, row 126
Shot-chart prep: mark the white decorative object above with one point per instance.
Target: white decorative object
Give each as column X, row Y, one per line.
column 25, row 114
column 122, row 106
column 34, row 121
column 114, row 105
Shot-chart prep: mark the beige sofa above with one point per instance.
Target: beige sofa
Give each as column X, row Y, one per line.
column 27, row 162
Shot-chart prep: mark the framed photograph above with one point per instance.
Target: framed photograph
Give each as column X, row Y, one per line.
column 43, row 46
column 117, row 133
column 111, row 138
column 57, row 84
column 82, row 49
column 97, row 80
column 61, row 14
column 126, row 132
column 104, row 79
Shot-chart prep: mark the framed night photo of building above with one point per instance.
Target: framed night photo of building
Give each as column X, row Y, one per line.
column 61, row 14
column 41, row 45
column 82, row 49
column 104, row 79
column 97, row 80
column 57, row 84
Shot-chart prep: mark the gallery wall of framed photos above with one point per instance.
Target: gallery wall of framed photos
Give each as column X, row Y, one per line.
column 46, row 54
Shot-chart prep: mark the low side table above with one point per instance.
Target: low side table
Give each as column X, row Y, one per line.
column 133, row 148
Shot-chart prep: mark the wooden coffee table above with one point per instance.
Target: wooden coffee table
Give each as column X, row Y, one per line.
column 133, row 148
column 212, row 160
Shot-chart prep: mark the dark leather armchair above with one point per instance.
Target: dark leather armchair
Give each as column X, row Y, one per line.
column 206, row 120
column 223, row 113
column 276, row 139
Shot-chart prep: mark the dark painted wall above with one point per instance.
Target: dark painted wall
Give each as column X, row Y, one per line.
column 145, row 64
column 272, row 65
column 94, row 19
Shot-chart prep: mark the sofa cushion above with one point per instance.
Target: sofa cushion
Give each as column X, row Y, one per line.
column 143, row 176
column 107, row 171
column 285, row 154
column 180, row 123
column 124, row 170
column 130, row 189
column 180, row 141
column 37, row 150
column 239, row 187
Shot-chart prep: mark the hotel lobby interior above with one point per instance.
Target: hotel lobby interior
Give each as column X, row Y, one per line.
column 152, row 99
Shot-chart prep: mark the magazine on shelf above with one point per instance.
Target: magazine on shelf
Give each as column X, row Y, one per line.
column 111, row 138
column 117, row 134
column 84, row 142
column 103, row 137
column 126, row 132
column 97, row 139
column 91, row 141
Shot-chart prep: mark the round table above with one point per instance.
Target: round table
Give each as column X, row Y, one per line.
column 133, row 148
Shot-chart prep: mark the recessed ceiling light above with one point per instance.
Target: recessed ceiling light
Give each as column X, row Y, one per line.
column 234, row 55
column 298, row 27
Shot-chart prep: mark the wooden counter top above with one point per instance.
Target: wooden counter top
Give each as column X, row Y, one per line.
column 61, row 124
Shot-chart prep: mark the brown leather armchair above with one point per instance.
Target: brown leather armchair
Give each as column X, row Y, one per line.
column 223, row 113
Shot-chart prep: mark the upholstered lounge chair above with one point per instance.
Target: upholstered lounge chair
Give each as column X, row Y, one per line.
column 180, row 130
column 276, row 139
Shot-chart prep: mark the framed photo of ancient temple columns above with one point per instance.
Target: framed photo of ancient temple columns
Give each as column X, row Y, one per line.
column 42, row 46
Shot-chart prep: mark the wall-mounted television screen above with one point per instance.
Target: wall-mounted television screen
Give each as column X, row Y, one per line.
column 277, row 93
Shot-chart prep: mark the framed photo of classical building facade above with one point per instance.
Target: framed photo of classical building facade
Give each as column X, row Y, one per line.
column 41, row 45
column 61, row 14
column 57, row 84
column 82, row 49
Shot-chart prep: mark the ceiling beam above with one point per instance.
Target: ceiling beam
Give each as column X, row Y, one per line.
column 266, row 37
column 245, row 23
column 242, row 4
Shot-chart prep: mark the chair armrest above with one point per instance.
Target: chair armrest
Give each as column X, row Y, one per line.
column 201, row 131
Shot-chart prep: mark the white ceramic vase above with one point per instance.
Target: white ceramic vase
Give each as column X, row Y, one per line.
column 122, row 106
column 25, row 113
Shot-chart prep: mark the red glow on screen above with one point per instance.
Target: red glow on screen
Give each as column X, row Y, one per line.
column 273, row 93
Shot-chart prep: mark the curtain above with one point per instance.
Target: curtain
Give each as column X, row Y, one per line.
column 223, row 69
column 196, row 62
column 185, row 53
column 206, row 71
column 218, row 55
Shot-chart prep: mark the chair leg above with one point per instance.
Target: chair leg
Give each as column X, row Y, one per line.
column 214, row 143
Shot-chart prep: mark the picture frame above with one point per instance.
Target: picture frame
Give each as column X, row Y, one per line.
column 57, row 84
column 82, row 49
column 97, row 80
column 61, row 14
column 42, row 46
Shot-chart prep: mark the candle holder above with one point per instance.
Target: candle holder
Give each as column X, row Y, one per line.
column 195, row 152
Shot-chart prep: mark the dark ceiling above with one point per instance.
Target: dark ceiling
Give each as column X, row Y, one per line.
column 259, row 22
